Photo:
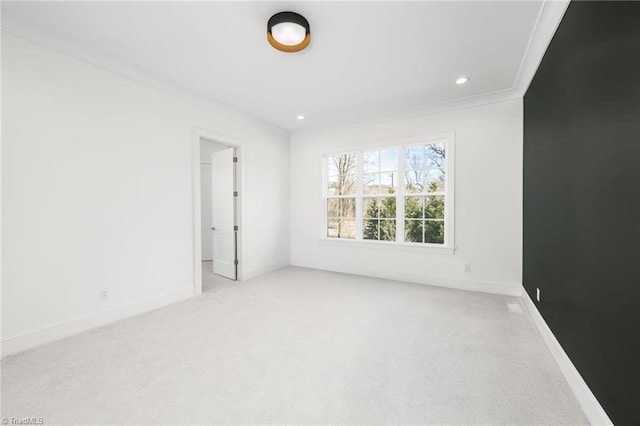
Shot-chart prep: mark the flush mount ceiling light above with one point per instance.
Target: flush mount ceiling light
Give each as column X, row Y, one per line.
column 288, row 32
column 462, row 80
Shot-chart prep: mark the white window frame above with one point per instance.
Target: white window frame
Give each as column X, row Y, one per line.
column 449, row 195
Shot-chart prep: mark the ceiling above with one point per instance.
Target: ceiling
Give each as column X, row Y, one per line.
column 366, row 61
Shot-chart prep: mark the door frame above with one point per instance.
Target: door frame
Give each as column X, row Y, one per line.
column 198, row 134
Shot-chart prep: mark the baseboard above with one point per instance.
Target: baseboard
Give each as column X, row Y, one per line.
column 254, row 272
column 469, row 285
column 590, row 405
column 41, row 335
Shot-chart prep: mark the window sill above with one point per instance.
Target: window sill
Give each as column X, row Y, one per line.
column 388, row 245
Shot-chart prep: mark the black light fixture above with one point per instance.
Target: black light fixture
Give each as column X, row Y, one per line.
column 288, row 32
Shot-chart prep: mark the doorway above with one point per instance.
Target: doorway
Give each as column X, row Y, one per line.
column 217, row 205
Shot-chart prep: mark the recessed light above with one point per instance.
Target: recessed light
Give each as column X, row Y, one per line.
column 300, row 117
column 462, row 80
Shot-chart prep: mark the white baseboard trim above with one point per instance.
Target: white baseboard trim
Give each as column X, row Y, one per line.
column 470, row 285
column 590, row 405
column 48, row 333
column 254, row 272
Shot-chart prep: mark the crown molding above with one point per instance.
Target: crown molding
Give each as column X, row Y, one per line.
column 549, row 18
column 143, row 78
column 406, row 114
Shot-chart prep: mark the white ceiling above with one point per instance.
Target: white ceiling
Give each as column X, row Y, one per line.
column 366, row 61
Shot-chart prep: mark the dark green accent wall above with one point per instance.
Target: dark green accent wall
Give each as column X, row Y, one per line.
column 582, row 197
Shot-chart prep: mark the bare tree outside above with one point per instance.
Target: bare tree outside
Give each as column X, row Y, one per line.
column 424, row 165
column 424, row 200
column 346, row 167
column 425, row 174
column 341, row 210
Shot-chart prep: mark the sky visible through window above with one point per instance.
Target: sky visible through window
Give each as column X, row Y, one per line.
column 420, row 216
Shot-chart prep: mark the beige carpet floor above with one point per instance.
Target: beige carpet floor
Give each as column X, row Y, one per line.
column 299, row 346
column 212, row 281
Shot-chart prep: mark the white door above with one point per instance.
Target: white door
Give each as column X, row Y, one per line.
column 205, row 213
column 223, row 209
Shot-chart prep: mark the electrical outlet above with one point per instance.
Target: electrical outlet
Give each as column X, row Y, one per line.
column 467, row 267
column 538, row 294
column 104, row 294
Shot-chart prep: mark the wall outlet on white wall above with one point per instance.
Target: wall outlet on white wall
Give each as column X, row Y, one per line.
column 467, row 267
column 538, row 294
column 104, row 293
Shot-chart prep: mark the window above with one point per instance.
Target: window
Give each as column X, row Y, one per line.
column 341, row 200
column 399, row 194
column 379, row 188
column 424, row 200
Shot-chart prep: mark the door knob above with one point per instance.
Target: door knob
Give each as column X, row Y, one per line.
column 213, row 228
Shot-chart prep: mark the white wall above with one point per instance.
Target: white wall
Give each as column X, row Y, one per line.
column 488, row 202
column 97, row 193
column 206, row 212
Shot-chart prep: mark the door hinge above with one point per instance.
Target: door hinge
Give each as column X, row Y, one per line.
column 235, row 193
column 235, row 228
column 235, row 262
column 235, row 159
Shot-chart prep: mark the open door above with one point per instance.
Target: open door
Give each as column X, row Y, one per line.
column 225, row 261
column 206, row 224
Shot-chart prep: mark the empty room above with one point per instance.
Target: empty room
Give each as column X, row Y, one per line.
column 367, row 213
